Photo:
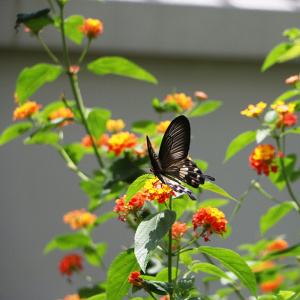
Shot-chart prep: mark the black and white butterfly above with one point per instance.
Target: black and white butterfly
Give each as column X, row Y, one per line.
column 172, row 163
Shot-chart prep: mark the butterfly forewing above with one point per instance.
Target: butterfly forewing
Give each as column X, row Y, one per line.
column 176, row 142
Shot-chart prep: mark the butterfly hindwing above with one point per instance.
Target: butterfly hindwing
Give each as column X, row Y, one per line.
column 172, row 163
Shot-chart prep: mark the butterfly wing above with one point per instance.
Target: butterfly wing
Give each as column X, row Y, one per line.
column 156, row 165
column 176, row 142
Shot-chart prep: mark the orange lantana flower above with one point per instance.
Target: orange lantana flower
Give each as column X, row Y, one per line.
column 63, row 112
column 103, row 140
column 70, row 263
column 135, row 278
column 267, row 264
column 269, row 286
column 277, row 245
column 185, row 102
column 211, row 219
column 254, row 110
column 162, row 126
column 86, row 141
column 79, row 219
column 26, row 110
column 121, row 141
column 155, row 190
column 91, row 28
column 133, row 207
column 178, row 230
column 115, row 125
column 263, row 158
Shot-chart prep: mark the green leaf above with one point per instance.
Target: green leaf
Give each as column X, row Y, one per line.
column 136, row 186
column 75, row 152
column 119, row 66
column 92, row 291
column 292, row 33
column 274, row 215
column 203, row 165
column 180, row 205
column 117, row 280
column 205, row 108
column 274, row 55
column 289, row 252
column 97, row 119
column 262, row 134
column 214, row 188
column 213, row 203
column 14, row 131
column 295, row 131
column 42, row 138
column 71, row 28
column 160, row 288
column 210, row 269
column 150, row 233
column 145, row 127
column 287, row 95
column 162, row 107
column 31, row 79
column 98, row 297
column 239, row 143
column 278, row 178
column 234, row 263
column 94, row 254
column 291, row 53
column 35, row 21
column 68, row 242
column 297, row 107
column 164, row 273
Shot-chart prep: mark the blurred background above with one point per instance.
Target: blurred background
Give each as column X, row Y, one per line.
column 214, row 46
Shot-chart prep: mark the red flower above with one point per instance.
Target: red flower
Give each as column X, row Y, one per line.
column 263, row 158
column 70, row 263
column 135, row 278
column 288, row 119
column 178, row 230
column 211, row 219
column 269, row 286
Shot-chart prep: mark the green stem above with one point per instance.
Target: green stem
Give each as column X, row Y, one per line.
column 84, row 51
column 49, row 52
column 170, row 247
column 237, row 208
column 150, row 293
column 285, row 177
column 264, row 193
column 52, row 7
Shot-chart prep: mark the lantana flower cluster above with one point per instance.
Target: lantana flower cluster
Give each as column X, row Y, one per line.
column 70, row 263
column 79, row 219
column 185, row 102
column 26, row 110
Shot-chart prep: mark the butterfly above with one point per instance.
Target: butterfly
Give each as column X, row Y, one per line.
column 172, row 164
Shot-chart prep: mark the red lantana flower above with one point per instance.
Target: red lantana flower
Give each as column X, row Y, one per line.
column 133, row 207
column 178, row 230
column 70, row 263
column 262, row 159
column 91, row 28
column 288, row 119
column 135, row 278
column 211, row 219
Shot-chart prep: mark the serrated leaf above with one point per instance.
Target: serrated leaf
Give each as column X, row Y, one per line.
column 117, row 280
column 274, row 215
column 119, row 66
column 234, row 263
column 150, row 233
column 262, row 134
column 97, row 119
column 210, row 269
column 205, row 108
column 136, row 186
column 214, row 188
column 71, row 28
column 145, row 127
column 239, row 143
column 31, row 79
column 274, row 55
column 14, row 131
column 68, row 242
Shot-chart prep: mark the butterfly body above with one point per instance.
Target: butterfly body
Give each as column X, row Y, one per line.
column 172, row 165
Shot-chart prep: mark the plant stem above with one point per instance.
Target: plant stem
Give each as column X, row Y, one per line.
column 49, row 52
column 170, row 246
column 76, row 90
column 286, row 178
column 84, row 51
column 264, row 193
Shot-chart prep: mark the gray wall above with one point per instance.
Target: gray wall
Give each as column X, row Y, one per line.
column 217, row 50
